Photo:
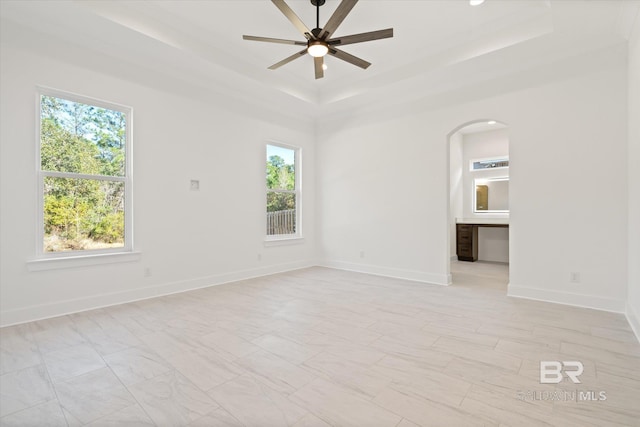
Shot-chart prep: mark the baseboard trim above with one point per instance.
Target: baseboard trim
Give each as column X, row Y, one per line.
column 62, row 308
column 567, row 298
column 396, row 273
column 634, row 320
column 46, row 311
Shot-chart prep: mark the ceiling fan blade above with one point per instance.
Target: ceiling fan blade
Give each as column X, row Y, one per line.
column 271, row 40
column 291, row 16
column 348, row 58
column 362, row 37
column 318, row 62
column 288, row 59
column 336, row 19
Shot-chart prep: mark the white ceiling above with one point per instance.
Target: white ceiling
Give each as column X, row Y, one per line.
column 439, row 47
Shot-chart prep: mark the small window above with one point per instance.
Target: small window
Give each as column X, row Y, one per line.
column 84, row 175
column 499, row 163
column 283, row 191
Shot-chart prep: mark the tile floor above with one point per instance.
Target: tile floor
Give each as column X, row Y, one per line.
column 322, row 347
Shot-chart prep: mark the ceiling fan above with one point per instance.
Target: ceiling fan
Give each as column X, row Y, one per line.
column 319, row 40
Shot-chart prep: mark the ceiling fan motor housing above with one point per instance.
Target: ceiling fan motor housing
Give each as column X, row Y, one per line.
column 317, row 2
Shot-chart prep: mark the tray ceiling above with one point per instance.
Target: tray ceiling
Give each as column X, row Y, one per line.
column 438, row 46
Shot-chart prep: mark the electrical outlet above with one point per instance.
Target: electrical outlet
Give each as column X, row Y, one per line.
column 195, row 185
column 574, row 277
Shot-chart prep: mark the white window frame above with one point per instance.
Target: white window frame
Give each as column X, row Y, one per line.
column 297, row 236
column 50, row 260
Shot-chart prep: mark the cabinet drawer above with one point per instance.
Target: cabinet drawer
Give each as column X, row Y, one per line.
column 464, row 250
column 464, row 237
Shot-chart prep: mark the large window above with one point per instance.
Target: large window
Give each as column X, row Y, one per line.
column 84, row 175
column 283, row 191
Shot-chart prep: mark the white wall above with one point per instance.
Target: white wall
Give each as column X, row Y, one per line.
column 633, row 306
column 382, row 188
column 455, row 188
column 188, row 239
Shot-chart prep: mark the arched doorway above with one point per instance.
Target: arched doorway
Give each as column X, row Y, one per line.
column 478, row 190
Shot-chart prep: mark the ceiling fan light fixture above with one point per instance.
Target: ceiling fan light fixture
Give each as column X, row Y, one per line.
column 317, row 48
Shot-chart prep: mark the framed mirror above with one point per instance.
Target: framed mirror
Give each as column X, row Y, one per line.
column 491, row 195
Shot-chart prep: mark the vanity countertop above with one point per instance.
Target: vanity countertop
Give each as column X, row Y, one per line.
column 497, row 221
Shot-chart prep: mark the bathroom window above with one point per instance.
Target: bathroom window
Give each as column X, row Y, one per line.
column 483, row 164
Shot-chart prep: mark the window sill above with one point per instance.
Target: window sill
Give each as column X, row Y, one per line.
column 82, row 261
column 282, row 241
